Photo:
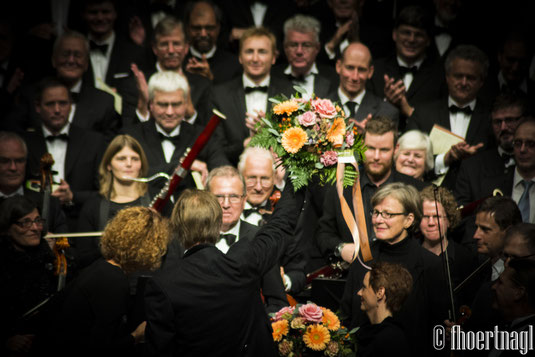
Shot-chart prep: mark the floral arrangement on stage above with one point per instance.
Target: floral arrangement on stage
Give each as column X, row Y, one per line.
column 309, row 137
column 310, row 330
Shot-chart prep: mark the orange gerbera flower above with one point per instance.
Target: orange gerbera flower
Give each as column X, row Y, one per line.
column 293, row 139
column 330, row 320
column 280, row 328
column 336, row 132
column 316, row 337
column 287, row 107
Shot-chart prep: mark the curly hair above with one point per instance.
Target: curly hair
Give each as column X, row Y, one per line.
column 136, row 239
column 395, row 279
column 446, row 198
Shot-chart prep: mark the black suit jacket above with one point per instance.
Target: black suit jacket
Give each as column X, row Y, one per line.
column 271, row 285
column 212, row 308
column 151, row 142
column 94, row 110
column 229, row 99
column 480, row 175
column 437, row 112
column 371, row 104
column 333, row 229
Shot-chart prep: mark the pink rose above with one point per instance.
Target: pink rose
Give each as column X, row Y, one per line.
column 307, row 119
column 350, row 139
column 288, row 310
column 311, row 312
column 324, row 107
column 329, row 158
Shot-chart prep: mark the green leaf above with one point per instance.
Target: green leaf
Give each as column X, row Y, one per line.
column 274, row 100
column 274, row 132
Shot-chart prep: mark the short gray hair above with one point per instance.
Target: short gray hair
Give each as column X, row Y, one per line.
column 302, row 23
column 70, row 34
column 407, row 195
column 258, row 153
column 167, row 81
column 416, row 140
column 224, row 171
column 468, row 53
column 9, row 135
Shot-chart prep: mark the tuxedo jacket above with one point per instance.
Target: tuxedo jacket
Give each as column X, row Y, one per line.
column 271, row 285
column 151, row 142
column 212, row 307
column 437, row 112
column 480, row 175
column 325, row 81
column 371, row 104
column 229, row 99
column 223, row 64
column 333, row 229
column 94, row 110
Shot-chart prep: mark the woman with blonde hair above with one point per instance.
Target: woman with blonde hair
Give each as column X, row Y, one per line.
column 123, row 160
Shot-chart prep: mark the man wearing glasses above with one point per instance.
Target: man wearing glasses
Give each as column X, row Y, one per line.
column 228, row 186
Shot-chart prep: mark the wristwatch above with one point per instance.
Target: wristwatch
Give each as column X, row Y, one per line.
column 338, row 250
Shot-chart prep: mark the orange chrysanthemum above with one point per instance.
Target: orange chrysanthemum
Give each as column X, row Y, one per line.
column 316, row 337
column 293, row 139
column 336, row 132
column 287, row 107
column 330, row 320
column 280, row 328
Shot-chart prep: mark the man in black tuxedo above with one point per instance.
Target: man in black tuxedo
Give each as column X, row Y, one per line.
column 13, row 158
column 111, row 53
column 411, row 74
column 461, row 112
column 76, row 152
column 166, row 136
column 257, row 166
column 244, row 100
column 228, row 186
column 212, row 307
column 93, row 109
column 170, row 47
column 493, row 168
column 203, row 25
column 355, row 68
column 334, row 237
column 301, row 47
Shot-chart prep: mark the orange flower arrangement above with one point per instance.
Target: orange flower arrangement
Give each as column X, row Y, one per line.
column 336, row 133
column 311, row 330
column 287, row 107
column 293, row 139
column 317, row 337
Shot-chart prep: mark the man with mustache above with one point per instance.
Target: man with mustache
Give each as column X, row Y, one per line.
column 482, row 173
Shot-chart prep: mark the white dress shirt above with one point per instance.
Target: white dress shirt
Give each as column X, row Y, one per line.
column 58, row 150
column 222, row 244
column 308, row 83
column 408, row 77
column 344, row 99
column 167, row 145
column 255, row 100
column 518, row 190
column 100, row 61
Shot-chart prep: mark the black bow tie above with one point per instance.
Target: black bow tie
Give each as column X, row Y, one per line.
column 466, row 110
column 255, row 89
column 404, row 70
column 96, row 47
column 174, row 139
column 248, row 211
column 229, row 238
column 52, row 138
column 506, row 157
column 296, row 79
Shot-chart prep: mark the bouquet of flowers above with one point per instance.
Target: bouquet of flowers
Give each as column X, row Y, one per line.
column 310, row 330
column 309, row 137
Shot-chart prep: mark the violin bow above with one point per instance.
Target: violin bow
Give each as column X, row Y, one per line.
column 184, row 166
column 46, row 163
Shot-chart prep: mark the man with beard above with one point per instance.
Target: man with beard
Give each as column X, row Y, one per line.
column 334, row 236
column 482, row 173
column 203, row 25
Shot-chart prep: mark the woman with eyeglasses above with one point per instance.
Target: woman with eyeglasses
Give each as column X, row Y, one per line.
column 396, row 214
column 26, row 272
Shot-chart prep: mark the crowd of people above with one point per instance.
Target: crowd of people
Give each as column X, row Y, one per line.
column 114, row 92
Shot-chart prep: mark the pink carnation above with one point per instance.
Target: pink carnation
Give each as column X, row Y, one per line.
column 311, row 312
column 324, row 107
column 350, row 139
column 307, row 119
column 329, row 158
column 285, row 310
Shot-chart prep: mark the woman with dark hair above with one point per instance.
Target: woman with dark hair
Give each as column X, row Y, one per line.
column 123, row 159
column 396, row 214
column 384, row 290
column 95, row 315
column 26, row 271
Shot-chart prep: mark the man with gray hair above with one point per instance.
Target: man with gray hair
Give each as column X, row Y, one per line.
column 301, row 47
column 166, row 136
